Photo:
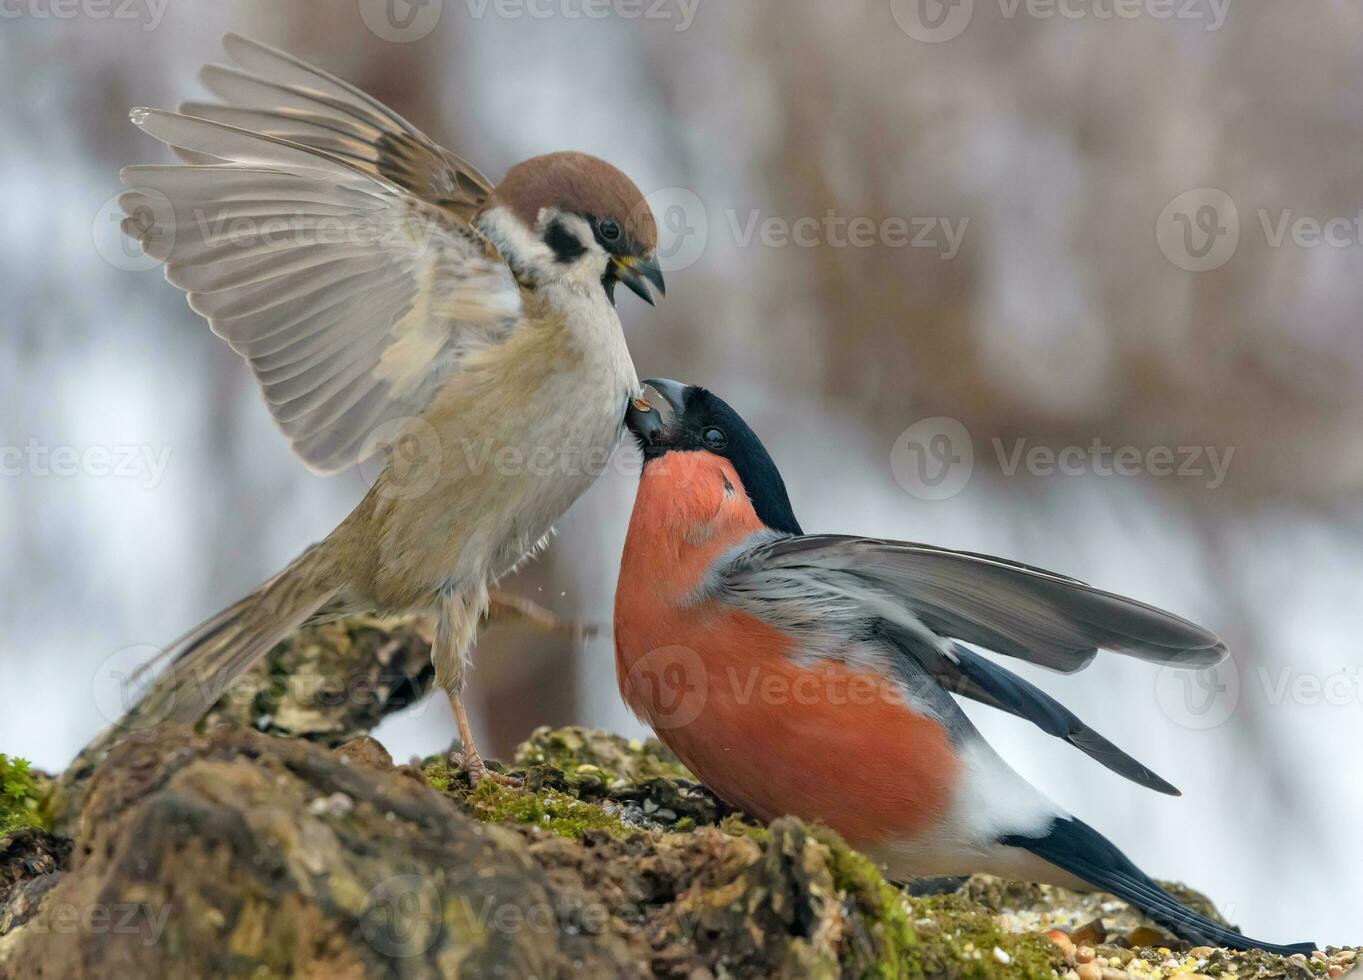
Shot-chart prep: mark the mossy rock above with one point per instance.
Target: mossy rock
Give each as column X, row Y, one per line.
column 252, row 854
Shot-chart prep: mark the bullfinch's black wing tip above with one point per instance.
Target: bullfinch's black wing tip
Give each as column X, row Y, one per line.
column 970, row 675
column 1096, row 747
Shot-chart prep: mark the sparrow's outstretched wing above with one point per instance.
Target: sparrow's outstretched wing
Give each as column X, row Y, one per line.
column 328, row 242
column 271, row 92
column 1013, row 609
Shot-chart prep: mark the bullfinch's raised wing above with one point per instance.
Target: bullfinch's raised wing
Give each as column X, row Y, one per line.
column 831, row 590
column 1012, row 609
column 328, row 242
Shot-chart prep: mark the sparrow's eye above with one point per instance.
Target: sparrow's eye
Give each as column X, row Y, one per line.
column 609, row 230
column 714, row 438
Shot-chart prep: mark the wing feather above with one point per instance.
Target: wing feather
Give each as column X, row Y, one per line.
column 327, row 240
column 1013, row 609
column 835, row 591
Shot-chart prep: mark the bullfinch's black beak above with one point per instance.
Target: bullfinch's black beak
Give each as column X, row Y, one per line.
column 644, row 419
column 635, row 273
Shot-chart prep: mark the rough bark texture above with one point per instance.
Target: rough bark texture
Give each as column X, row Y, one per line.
column 237, row 852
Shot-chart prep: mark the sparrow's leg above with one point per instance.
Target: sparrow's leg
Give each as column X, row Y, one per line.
column 472, row 763
column 455, row 629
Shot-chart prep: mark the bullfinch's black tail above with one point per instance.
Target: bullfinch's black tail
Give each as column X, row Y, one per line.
column 1079, row 849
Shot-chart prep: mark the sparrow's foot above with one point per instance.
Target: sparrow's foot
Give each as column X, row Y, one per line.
column 477, row 770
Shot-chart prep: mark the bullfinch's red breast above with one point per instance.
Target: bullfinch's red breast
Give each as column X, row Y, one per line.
column 813, row 674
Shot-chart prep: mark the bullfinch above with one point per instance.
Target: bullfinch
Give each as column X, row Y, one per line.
column 813, row 674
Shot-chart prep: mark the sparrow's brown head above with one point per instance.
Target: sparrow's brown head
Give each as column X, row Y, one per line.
column 583, row 215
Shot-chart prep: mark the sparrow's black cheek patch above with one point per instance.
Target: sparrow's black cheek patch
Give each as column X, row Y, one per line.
column 564, row 243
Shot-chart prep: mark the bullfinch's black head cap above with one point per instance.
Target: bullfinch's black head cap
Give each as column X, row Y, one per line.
column 703, row 422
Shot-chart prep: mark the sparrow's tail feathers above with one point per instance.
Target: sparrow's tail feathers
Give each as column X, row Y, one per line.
column 206, row 660
column 1077, row 848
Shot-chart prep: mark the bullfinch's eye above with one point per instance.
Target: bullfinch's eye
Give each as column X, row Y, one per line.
column 714, row 438
column 609, row 230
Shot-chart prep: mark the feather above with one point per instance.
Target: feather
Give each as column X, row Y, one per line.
column 1013, row 609
column 328, row 241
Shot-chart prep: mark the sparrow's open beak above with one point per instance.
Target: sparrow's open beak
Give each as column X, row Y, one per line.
column 633, row 272
column 645, row 419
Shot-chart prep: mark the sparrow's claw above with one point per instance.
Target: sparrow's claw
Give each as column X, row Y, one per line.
column 473, row 764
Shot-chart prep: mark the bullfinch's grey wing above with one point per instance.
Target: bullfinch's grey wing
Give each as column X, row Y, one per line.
column 813, row 586
column 332, row 249
column 1012, row 609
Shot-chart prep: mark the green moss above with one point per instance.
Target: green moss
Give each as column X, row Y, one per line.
column 20, row 796
column 579, row 750
column 438, row 774
column 882, row 944
column 549, row 809
column 737, row 825
column 958, row 938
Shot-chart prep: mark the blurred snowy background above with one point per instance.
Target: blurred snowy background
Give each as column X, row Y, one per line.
column 940, row 252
